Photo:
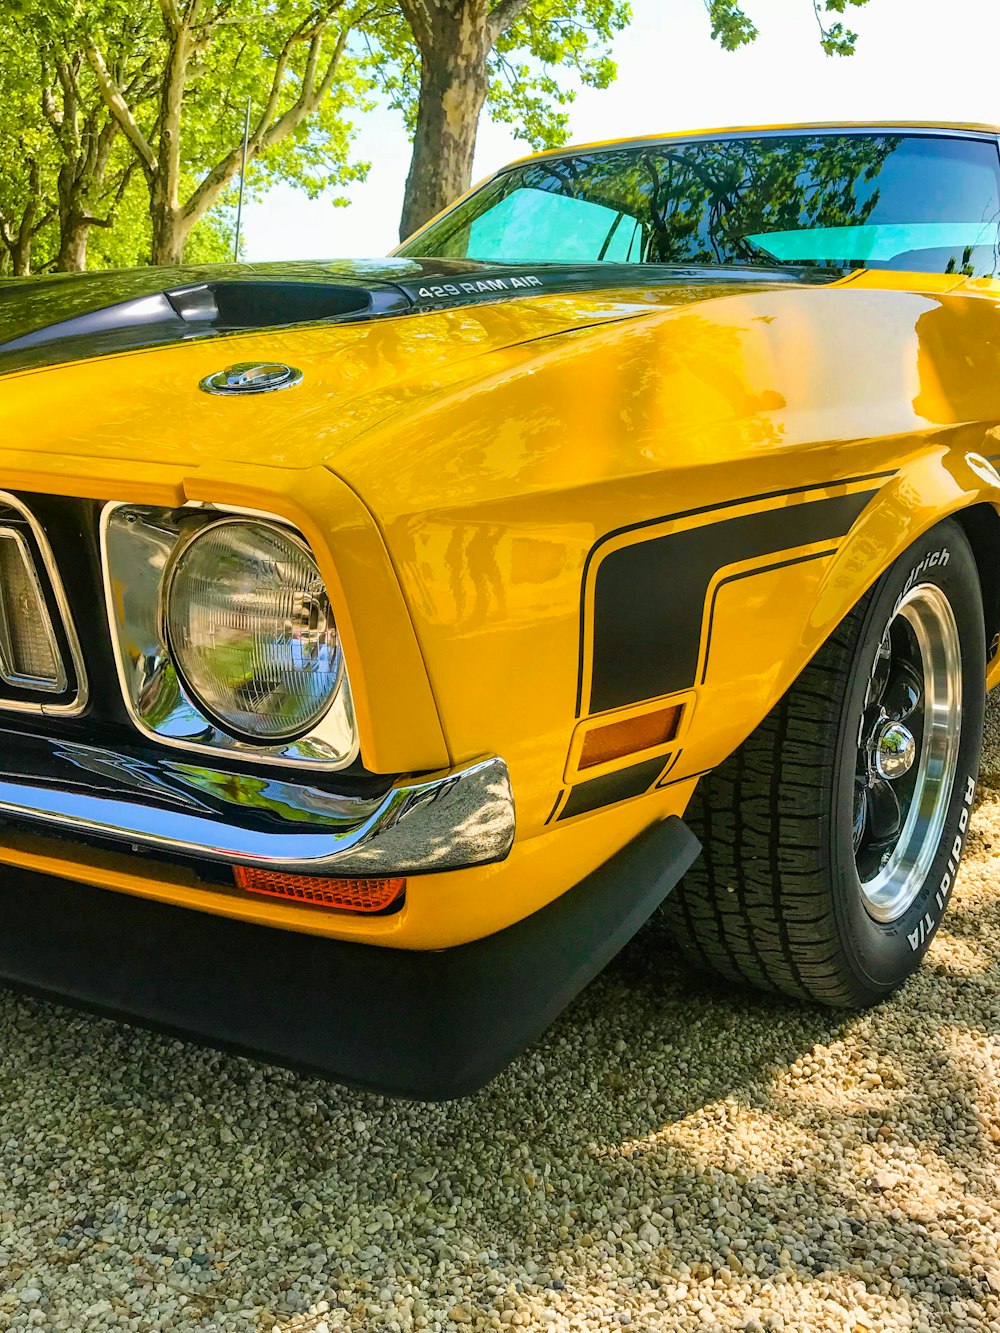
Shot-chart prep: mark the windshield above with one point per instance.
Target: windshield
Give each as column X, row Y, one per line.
column 898, row 201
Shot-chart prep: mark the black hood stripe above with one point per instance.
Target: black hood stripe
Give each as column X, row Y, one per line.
column 69, row 317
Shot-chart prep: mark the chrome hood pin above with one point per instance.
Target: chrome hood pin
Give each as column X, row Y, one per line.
column 252, row 377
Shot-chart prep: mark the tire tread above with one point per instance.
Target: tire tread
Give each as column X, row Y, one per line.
column 755, row 907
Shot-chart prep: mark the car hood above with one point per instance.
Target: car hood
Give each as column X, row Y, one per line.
column 109, row 366
column 71, row 316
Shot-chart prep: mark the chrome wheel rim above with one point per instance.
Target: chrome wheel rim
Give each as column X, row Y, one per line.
column 908, row 741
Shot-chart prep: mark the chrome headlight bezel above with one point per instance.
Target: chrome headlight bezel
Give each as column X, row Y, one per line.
column 138, row 544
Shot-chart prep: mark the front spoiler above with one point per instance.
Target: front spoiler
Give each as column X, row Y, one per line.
column 431, row 1026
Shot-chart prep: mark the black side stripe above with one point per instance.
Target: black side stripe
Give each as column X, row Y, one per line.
column 676, row 782
column 694, row 513
column 555, row 807
column 614, row 787
column 620, row 786
column 672, row 764
column 746, row 574
column 649, row 597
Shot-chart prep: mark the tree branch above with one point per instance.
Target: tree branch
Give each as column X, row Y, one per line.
column 69, row 128
column 420, row 15
column 118, row 107
column 142, row 84
column 6, row 235
column 310, row 97
column 502, row 15
column 271, row 105
column 43, row 221
column 172, row 20
column 311, row 94
column 50, row 109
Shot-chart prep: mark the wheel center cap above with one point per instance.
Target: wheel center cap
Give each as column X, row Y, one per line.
column 895, row 751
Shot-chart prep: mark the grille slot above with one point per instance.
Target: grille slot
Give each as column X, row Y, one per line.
column 29, row 654
column 41, row 667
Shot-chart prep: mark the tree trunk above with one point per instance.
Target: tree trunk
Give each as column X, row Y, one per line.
column 21, row 256
column 73, row 237
column 74, row 229
column 170, row 231
column 20, row 245
column 453, row 87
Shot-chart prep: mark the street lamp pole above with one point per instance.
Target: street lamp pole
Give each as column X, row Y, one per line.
column 243, row 173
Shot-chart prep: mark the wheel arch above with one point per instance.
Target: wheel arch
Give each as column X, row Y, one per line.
column 936, row 485
column 981, row 525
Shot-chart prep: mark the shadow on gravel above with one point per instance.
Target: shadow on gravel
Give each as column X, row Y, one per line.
column 674, row 1151
column 765, row 1143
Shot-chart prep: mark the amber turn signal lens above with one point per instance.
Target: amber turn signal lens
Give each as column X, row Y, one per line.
column 350, row 895
column 629, row 736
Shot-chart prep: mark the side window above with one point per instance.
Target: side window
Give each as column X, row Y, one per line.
column 919, row 201
column 939, row 207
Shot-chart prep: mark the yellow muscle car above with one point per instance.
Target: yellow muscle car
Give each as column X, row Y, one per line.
column 382, row 643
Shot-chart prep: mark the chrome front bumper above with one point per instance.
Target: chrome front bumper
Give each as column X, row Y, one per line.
column 443, row 821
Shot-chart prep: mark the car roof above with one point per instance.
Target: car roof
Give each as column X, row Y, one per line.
column 932, row 126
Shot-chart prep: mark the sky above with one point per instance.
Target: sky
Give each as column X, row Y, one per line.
column 916, row 59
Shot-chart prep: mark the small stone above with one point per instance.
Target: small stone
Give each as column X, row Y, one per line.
column 882, row 1180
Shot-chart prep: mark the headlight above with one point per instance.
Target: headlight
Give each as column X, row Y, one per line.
column 249, row 627
column 224, row 637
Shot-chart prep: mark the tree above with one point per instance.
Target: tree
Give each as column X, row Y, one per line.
column 94, row 173
column 732, row 28
column 127, row 243
column 27, row 161
column 289, row 61
column 76, row 156
column 24, row 213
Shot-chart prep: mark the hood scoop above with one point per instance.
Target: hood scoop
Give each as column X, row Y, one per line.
column 218, row 306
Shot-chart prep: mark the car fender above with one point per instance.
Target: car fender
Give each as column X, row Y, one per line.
column 767, row 617
column 940, row 483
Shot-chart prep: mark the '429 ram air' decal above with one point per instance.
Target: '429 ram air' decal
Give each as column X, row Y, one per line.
column 440, row 291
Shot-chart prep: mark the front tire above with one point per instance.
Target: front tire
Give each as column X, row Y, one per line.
column 832, row 836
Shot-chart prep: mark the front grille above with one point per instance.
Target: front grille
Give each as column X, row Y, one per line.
column 41, row 666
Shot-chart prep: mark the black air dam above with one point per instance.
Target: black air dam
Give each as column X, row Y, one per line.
column 430, row 1026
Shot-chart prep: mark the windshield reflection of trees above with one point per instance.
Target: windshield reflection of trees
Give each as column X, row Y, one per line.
column 698, row 202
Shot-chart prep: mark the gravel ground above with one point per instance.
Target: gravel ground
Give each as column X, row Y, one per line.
column 672, row 1156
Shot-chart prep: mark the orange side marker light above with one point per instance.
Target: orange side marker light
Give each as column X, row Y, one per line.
column 350, row 895
column 630, row 735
